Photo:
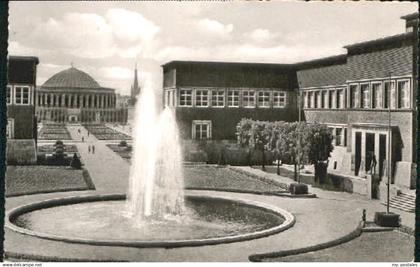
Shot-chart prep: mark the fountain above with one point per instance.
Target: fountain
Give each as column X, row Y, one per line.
column 156, row 183
column 155, row 211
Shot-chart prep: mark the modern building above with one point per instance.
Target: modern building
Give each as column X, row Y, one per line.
column 73, row 96
column 21, row 130
column 368, row 98
column 212, row 97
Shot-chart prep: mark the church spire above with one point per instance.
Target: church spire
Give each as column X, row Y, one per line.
column 135, row 88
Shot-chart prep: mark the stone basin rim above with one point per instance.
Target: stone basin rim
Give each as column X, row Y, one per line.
column 13, row 213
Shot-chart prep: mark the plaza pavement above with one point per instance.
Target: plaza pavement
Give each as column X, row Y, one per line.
column 330, row 216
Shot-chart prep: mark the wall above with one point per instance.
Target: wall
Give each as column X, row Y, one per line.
column 224, row 120
column 24, row 123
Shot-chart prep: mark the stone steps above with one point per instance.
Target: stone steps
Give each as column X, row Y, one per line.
column 403, row 201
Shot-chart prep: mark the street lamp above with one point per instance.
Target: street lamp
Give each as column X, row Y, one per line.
column 299, row 119
column 389, row 142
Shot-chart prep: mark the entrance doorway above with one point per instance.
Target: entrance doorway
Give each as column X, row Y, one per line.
column 73, row 119
column 370, row 151
column 357, row 152
column 382, row 154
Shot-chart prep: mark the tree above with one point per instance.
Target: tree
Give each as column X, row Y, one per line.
column 256, row 135
column 319, row 149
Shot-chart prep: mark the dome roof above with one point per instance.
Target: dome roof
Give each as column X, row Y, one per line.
column 71, row 78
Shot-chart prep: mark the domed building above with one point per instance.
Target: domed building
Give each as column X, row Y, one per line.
column 73, row 96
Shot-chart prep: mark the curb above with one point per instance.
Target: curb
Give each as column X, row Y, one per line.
column 352, row 235
column 289, row 221
column 264, row 193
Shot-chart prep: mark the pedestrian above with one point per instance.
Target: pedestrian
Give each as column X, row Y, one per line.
column 373, row 164
column 83, row 139
column 88, row 133
column 78, row 130
column 89, row 149
column 93, row 149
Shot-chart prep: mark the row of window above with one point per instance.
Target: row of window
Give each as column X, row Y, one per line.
column 220, row 98
column 394, row 94
column 18, row 94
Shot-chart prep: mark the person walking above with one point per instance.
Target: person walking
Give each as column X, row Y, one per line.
column 93, row 149
column 89, row 149
column 373, row 164
column 83, row 139
column 88, row 133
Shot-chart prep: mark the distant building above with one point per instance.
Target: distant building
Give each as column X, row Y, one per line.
column 122, row 101
column 21, row 130
column 135, row 89
column 210, row 98
column 73, row 96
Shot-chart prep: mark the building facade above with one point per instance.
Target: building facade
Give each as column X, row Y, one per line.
column 210, row 98
column 73, row 96
column 368, row 99
column 21, row 130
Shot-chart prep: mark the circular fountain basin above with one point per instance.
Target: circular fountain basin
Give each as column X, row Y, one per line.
column 100, row 220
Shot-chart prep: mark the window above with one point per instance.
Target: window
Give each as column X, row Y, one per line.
column 324, row 102
column 331, row 102
column 389, row 94
column 201, row 130
column 376, row 95
column 248, row 98
column 364, row 88
column 264, row 99
column 403, row 94
column 338, row 136
column 311, row 100
column 185, row 98
column 233, row 98
column 340, row 98
column 218, row 98
column 9, row 128
column 22, row 95
column 8, row 94
column 166, row 98
column 354, row 99
column 316, row 98
column 201, row 98
column 279, row 99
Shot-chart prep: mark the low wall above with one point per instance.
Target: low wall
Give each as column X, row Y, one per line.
column 333, row 182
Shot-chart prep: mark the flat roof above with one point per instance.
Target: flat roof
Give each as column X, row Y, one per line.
column 250, row 64
column 25, row 58
column 397, row 37
column 414, row 15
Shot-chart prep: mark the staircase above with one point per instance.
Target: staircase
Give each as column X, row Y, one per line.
column 403, row 201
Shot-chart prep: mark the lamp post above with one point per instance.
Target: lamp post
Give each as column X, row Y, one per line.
column 389, row 143
column 299, row 119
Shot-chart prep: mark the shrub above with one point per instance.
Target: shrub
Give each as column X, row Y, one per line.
column 123, row 143
column 298, row 189
column 75, row 162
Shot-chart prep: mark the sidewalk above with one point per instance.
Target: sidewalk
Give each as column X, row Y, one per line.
column 360, row 201
column 109, row 172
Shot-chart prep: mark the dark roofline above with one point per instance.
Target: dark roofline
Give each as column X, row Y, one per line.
column 29, row 58
column 322, row 62
column 384, row 40
column 414, row 15
column 186, row 62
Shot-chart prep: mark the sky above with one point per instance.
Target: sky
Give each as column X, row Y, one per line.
column 106, row 39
